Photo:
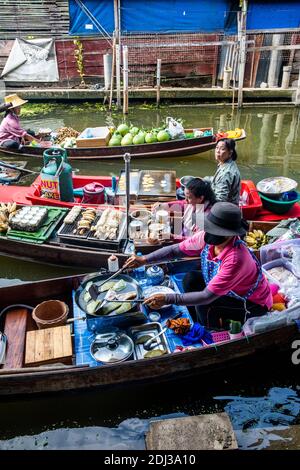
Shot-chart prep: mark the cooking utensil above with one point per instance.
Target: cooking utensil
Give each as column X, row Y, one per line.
column 94, row 290
column 111, row 348
column 148, row 345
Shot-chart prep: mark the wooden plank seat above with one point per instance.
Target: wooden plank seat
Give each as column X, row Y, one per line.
column 15, row 329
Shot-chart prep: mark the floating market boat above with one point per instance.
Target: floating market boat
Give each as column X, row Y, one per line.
column 58, row 245
column 77, row 367
column 169, row 149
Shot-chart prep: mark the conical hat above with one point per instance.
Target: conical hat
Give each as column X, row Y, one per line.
column 15, row 100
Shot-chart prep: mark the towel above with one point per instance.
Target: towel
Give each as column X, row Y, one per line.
column 196, row 334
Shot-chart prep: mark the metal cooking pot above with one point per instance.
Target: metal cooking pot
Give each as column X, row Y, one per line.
column 111, row 348
column 98, row 279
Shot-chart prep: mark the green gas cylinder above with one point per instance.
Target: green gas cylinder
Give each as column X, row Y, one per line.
column 56, row 175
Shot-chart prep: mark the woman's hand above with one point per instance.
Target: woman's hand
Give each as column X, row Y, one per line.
column 156, row 301
column 160, row 206
column 135, row 262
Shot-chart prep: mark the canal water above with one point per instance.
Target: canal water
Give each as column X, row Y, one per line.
column 261, row 401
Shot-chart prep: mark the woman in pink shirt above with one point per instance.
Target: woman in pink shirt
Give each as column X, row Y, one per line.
column 11, row 133
column 231, row 285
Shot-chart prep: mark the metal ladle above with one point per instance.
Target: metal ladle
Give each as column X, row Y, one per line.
column 148, row 345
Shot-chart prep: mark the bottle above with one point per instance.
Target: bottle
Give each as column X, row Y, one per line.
column 140, row 274
column 113, row 264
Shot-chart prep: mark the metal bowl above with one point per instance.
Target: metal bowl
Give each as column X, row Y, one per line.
column 280, row 183
column 148, row 291
column 185, row 180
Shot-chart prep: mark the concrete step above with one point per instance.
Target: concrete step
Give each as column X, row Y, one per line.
column 203, row 432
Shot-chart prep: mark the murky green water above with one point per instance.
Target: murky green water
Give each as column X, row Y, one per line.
column 271, row 148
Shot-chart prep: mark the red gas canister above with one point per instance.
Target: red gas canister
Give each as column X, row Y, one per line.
column 93, row 193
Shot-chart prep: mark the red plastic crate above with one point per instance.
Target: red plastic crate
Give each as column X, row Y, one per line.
column 249, row 211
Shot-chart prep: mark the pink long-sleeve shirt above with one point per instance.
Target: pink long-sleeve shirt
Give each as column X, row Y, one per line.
column 238, row 271
column 10, row 129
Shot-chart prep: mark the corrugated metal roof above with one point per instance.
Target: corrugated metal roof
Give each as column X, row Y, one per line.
column 33, row 18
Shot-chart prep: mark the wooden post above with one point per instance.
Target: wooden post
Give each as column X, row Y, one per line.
column 125, row 79
column 158, row 82
column 118, row 74
column 242, row 16
column 297, row 97
column 112, row 74
column 117, row 20
column 275, row 61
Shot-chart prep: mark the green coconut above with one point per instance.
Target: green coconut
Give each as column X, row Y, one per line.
column 123, row 129
column 127, row 139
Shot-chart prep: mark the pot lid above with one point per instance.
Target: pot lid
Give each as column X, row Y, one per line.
column 112, row 348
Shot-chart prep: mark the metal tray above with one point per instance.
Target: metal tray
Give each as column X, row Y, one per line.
column 121, row 231
column 169, row 190
column 65, row 234
column 134, row 183
column 66, row 230
column 150, row 329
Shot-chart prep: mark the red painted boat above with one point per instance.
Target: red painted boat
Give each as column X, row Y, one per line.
column 32, row 195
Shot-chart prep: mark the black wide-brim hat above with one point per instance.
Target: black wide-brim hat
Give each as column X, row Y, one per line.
column 225, row 219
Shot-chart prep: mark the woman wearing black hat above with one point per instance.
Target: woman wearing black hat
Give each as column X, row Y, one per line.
column 231, row 284
column 226, row 182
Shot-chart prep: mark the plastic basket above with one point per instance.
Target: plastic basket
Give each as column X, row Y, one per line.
column 220, row 336
column 249, row 211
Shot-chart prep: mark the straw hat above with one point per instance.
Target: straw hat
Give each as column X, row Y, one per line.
column 15, row 100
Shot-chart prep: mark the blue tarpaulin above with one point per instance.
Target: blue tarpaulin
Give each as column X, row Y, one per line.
column 87, row 17
column 90, row 17
column 273, row 14
column 175, row 15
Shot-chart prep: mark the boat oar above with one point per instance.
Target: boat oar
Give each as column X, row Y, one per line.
column 14, row 167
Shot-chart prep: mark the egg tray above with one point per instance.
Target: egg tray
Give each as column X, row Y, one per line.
column 29, row 227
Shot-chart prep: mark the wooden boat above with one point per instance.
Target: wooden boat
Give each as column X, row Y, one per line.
column 171, row 366
column 54, row 252
column 172, row 148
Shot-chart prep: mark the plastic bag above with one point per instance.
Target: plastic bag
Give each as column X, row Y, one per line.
column 296, row 260
column 175, row 128
column 265, row 322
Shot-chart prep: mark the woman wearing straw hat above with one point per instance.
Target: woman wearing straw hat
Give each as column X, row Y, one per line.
column 12, row 135
column 230, row 285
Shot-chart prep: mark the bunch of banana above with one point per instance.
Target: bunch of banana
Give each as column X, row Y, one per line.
column 7, row 211
column 234, row 134
column 256, row 239
column 85, row 222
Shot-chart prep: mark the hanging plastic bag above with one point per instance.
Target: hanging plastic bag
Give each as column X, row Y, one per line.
column 175, row 128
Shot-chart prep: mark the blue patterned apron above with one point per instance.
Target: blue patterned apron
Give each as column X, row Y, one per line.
column 211, row 268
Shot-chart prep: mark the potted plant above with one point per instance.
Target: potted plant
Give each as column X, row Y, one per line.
column 235, row 331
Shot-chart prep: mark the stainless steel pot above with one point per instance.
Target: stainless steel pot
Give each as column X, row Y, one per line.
column 111, row 348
